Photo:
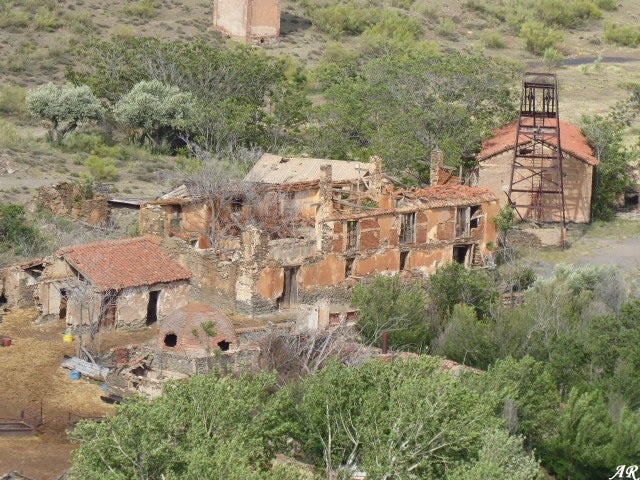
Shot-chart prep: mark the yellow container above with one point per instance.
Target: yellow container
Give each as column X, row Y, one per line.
column 67, row 337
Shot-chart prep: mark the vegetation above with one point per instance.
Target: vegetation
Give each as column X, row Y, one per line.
column 387, row 419
column 63, row 108
column 17, row 234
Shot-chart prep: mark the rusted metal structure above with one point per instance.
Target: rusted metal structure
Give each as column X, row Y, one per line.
column 536, row 190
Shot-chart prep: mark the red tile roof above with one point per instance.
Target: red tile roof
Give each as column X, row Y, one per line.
column 452, row 195
column 571, row 138
column 118, row 264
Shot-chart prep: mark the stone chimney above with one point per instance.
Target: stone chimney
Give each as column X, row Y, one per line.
column 437, row 162
column 324, row 229
column 375, row 179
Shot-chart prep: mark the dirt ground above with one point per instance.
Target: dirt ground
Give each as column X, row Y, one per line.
column 31, row 373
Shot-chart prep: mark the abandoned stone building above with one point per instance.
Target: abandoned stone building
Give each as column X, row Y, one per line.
column 579, row 164
column 348, row 227
column 255, row 21
column 119, row 283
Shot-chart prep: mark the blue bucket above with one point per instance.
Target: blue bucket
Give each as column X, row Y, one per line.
column 75, row 375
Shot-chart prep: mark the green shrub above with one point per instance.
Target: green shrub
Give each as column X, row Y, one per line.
column 9, row 135
column 142, row 9
column 608, row 5
column 493, row 40
column 344, row 19
column 14, row 18
column 102, row 168
column 46, row 20
column 552, row 57
column 16, row 234
column 81, row 142
column 626, row 35
column 448, row 29
column 569, row 14
column 537, row 37
column 12, row 100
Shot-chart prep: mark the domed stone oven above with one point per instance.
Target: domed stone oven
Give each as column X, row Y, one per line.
column 197, row 329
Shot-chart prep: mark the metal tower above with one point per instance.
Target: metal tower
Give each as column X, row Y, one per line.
column 536, row 190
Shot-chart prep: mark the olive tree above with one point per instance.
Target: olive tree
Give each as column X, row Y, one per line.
column 153, row 111
column 63, row 108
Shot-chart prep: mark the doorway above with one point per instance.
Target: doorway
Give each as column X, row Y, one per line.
column 152, row 307
column 290, row 289
column 63, row 304
column 461, row 254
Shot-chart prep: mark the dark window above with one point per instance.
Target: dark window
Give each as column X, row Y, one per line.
column 236, row 204
column 631, row 199
column 171, row 340
column 152, row 307
column 224, row 345
column 475, row 216
column 462, row 222
column 348, row 267
column 408, row 228
column 352, row 234
column 403, row 260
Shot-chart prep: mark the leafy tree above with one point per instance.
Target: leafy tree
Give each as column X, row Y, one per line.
column 388, row 304
column 155, row 110
column 613, row 174
column 402, row 106
column 16, row 233
column 538, row 37
column 454, row 284
column 501, row 457
column 64, row 107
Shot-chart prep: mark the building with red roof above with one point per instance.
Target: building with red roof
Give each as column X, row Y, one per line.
column 579, row 163
column 114, row 283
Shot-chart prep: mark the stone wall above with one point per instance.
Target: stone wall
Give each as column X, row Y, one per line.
column 70, row 200
column 244, row 360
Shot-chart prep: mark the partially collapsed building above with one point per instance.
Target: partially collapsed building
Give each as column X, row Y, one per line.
column 311, row 234
column 118, row 283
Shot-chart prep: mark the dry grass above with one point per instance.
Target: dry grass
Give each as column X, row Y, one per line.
column 31, row 372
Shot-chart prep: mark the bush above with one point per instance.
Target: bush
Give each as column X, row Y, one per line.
column 388, row 304
column 102, row 168
column 46, row 20
column 567, row 14
column 552, row 58
column 538, row 37
column 12, row 100
column 9, row 135
column 344, row 19
column 13, row 18
column 625, row 35
column 143, row 9
column 16, row 234
column 493, row 40
column 608, row 5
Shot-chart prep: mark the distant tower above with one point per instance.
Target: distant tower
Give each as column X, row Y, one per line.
column 536, row 190
column 255, row 21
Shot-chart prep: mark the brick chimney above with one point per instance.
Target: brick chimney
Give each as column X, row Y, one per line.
column 437, row 162
column 324, row 230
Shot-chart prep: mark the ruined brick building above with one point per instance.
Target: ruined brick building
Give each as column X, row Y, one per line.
column 579, row 163
column 348, row 225
column 118, row 283
column 255, row 21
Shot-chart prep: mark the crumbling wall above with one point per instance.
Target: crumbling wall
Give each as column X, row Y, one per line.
column 18, row 287
column 71, row 200
column 132, row 303
column 152, row 220
column 244, row 360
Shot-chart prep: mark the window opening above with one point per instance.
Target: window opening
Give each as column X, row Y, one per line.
column 152, row 307
column 408, row 227
column 352, row 234
column 224, row 345
column 170, row 340
column 403, row 260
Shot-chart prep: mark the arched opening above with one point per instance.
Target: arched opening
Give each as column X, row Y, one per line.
column 224, row 345
column 170, row 340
